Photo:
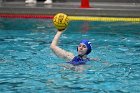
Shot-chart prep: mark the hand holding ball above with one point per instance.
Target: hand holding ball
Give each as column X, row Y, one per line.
column 61, row 21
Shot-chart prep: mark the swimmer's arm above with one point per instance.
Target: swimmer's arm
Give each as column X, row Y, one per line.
column 99, row 60
column 59, row 51
column 94, row 59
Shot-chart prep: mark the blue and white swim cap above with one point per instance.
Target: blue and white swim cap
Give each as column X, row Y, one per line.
column 88, row 45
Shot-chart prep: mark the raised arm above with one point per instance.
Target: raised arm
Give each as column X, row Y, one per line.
column 59, row 51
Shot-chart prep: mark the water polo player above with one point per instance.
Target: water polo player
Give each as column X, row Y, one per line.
column 83, row 49
column 61, row 21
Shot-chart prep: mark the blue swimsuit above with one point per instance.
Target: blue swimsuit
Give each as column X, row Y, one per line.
column 78, row 60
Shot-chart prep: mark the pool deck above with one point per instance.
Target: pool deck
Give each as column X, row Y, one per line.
column 98, row 9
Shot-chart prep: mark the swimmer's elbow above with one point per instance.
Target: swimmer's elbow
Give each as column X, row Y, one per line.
column 52, row 46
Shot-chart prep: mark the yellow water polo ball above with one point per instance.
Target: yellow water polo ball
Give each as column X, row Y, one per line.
column 61, row 21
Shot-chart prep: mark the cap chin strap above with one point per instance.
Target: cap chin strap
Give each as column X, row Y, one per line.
column 81, row 55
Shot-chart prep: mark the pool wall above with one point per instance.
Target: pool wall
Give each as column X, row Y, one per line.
column 98, row 9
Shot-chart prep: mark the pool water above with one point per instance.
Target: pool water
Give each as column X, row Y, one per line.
column 27, row 65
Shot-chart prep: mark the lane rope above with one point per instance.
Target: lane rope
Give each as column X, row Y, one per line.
column 72, row 18
column 106, row 19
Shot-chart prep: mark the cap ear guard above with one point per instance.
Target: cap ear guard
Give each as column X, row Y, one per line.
column 88, row 45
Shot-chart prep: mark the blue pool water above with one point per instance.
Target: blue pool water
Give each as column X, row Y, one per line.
column 27, row 65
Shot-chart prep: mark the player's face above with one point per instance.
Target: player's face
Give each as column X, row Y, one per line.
column 82, row 49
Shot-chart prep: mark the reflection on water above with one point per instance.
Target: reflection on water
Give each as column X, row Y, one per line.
column 27, row 65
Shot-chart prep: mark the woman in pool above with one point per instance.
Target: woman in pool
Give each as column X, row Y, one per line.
column 84, row 48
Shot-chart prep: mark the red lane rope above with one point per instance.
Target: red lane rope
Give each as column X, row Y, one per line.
column 26, row 16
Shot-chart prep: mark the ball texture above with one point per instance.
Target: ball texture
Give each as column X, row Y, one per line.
column 61, row 21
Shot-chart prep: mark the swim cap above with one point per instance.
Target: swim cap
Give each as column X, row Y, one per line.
column 88, row 45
